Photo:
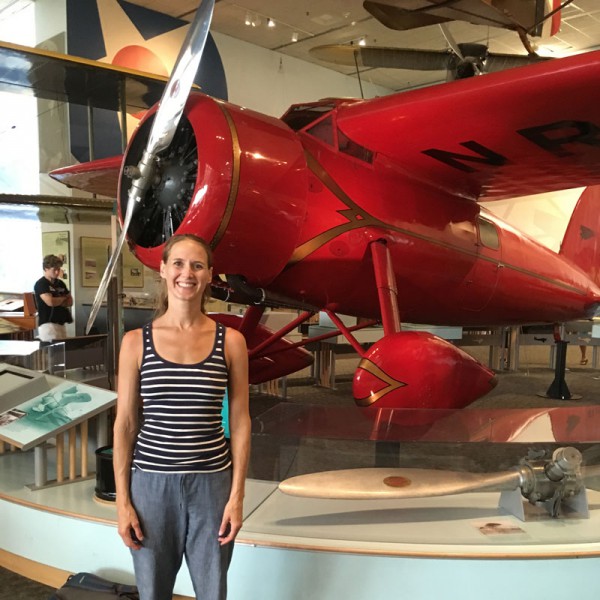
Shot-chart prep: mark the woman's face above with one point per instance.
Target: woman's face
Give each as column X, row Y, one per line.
column 186, row 271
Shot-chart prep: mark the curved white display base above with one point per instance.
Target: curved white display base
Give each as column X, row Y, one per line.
column 293, row 548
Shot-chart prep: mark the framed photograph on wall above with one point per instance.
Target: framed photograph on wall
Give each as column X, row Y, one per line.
column 133, row 270
column 95, row 254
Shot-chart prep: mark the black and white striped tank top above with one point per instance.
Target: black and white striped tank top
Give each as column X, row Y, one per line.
column 182, row 428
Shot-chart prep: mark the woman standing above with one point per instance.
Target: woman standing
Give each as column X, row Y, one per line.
column 179, row 486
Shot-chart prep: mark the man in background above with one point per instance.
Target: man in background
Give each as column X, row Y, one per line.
column 53, row 301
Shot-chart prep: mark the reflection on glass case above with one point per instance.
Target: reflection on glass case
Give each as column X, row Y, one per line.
column 539, row 461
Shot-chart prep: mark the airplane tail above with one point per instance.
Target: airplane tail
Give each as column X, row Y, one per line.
column 581, row 243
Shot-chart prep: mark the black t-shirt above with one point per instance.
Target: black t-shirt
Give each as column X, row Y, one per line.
column 51, row 314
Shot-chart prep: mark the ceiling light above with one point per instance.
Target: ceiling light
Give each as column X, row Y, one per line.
column 362, row 41
column 295, row 36
column 248, row 20
column 270, row 23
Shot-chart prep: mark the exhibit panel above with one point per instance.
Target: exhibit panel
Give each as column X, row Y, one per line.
column 61, row 420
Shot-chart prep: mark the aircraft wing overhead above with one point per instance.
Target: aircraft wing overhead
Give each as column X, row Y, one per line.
column 53, row 76
column 512, row 133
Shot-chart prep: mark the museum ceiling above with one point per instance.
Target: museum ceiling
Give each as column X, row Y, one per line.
column 300, row 25
column 320, row 22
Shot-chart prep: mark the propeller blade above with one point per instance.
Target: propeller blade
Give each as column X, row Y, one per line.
column 110, row 269
column 177, row 91
column 163, row 129
column 451, row 41
column 382, row 483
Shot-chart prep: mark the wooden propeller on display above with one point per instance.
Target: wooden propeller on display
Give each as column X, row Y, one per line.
column 560, row 477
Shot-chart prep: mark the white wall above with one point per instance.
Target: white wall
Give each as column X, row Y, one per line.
column 270, row 82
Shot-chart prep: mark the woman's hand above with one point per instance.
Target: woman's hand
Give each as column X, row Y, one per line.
column 231, row 522
column 129, row 527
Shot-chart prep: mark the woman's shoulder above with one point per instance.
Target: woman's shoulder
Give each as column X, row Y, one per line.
column 132, row 340
column 234, row 338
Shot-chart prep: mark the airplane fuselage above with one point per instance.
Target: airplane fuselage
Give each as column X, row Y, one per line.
column 292, row 206
column 455, row 263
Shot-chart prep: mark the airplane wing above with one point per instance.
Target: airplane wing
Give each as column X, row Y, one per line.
column 512, row 133
column 97, row 177
column 528, row 15
column 55, row 76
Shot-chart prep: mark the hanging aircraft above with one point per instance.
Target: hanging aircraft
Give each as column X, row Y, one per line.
column 372, row 208
column 459, row 60
column 537, row 18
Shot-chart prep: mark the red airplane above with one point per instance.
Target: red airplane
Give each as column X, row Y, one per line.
column 371, row 208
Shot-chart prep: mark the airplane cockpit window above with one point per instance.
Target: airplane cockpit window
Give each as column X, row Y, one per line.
column 323, row 130
column 488, row 234
column 347, row 146
column 301, row 115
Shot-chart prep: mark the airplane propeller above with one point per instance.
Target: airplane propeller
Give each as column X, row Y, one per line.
column 170, row 109
column 459, row 60
column 464, row 66
column 539, row 480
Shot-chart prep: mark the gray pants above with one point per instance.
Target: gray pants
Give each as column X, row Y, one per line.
column 180, row 516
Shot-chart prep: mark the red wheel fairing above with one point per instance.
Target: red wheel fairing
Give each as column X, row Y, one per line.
column 417, row 370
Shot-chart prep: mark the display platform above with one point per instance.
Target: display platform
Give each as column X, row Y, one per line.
column 296, row 548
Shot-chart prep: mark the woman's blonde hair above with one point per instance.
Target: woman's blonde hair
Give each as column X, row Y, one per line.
column 162, row 302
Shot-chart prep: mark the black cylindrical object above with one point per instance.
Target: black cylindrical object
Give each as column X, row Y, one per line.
column 105, row 474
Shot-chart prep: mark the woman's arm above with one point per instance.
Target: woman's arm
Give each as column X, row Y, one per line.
column 236, row 355
column 124, row 433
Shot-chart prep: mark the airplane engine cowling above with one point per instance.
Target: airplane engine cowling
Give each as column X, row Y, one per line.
column 418, row 370
column 232, row 176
